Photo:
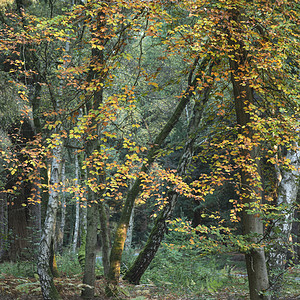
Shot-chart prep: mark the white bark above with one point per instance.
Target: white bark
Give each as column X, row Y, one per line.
column 128, row 240
column 287, row 196
column 44, row 271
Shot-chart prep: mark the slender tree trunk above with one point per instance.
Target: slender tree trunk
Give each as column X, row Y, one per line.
column 120, row 235
column 135, row 272
column 44, row 270
column 46, row 250
column 296, row 232
column 105, row 238
column 128, row 240
column 36, row 207
column 62, row 208
column 90, row 248
column 95, row 74
column 287, row 196
column 3, row 226
column 77, row 217
column 35, row 225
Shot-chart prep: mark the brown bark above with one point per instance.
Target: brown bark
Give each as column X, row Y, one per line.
column 96, row 64
column 90, row 248
column 105, row 237
column 18, row 212
column 3, row 227
column 250, row 185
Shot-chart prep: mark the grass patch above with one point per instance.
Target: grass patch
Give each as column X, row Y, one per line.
column 18, row 269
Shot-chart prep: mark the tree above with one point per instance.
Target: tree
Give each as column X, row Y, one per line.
column 99, row 59
column 135, row 272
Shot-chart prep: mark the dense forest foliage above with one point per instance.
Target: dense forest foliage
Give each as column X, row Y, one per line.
column 152, row 132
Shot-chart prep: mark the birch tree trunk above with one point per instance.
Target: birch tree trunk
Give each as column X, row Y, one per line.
column 288, row 189
column 128, row 241
column 44, row 270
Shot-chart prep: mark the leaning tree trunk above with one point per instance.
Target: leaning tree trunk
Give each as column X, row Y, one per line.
column 250, row 190
column 281, row 230
column 44, row 269
column 121, row 232
column 135, row 272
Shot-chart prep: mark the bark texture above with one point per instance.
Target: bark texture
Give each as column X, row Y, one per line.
column 3, row 226
column 77, row 204
column 90, row 249
column 62, row 209
column 44, row 270
column 135, row 272
column 95, row 74
column 128, row 240
column 287, row 197
column 105, row 237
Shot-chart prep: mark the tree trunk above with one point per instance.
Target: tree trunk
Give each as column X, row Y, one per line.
column 18, row 223
column 128, row 240
column 77, row 219
column 90, row 248
column 18, row 212
column 250, row 193
column 3, row 227
column 120, row 235
column 97, row 62
column 35, row 222
column 44, row 270
column 287, row 196
column 250, row 190
column 105, row 238
column 295, row 255
column 62, row 209
column 135, row 272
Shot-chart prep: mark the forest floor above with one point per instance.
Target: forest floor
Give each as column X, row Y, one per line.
column 12, row 288
column 17, row 284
